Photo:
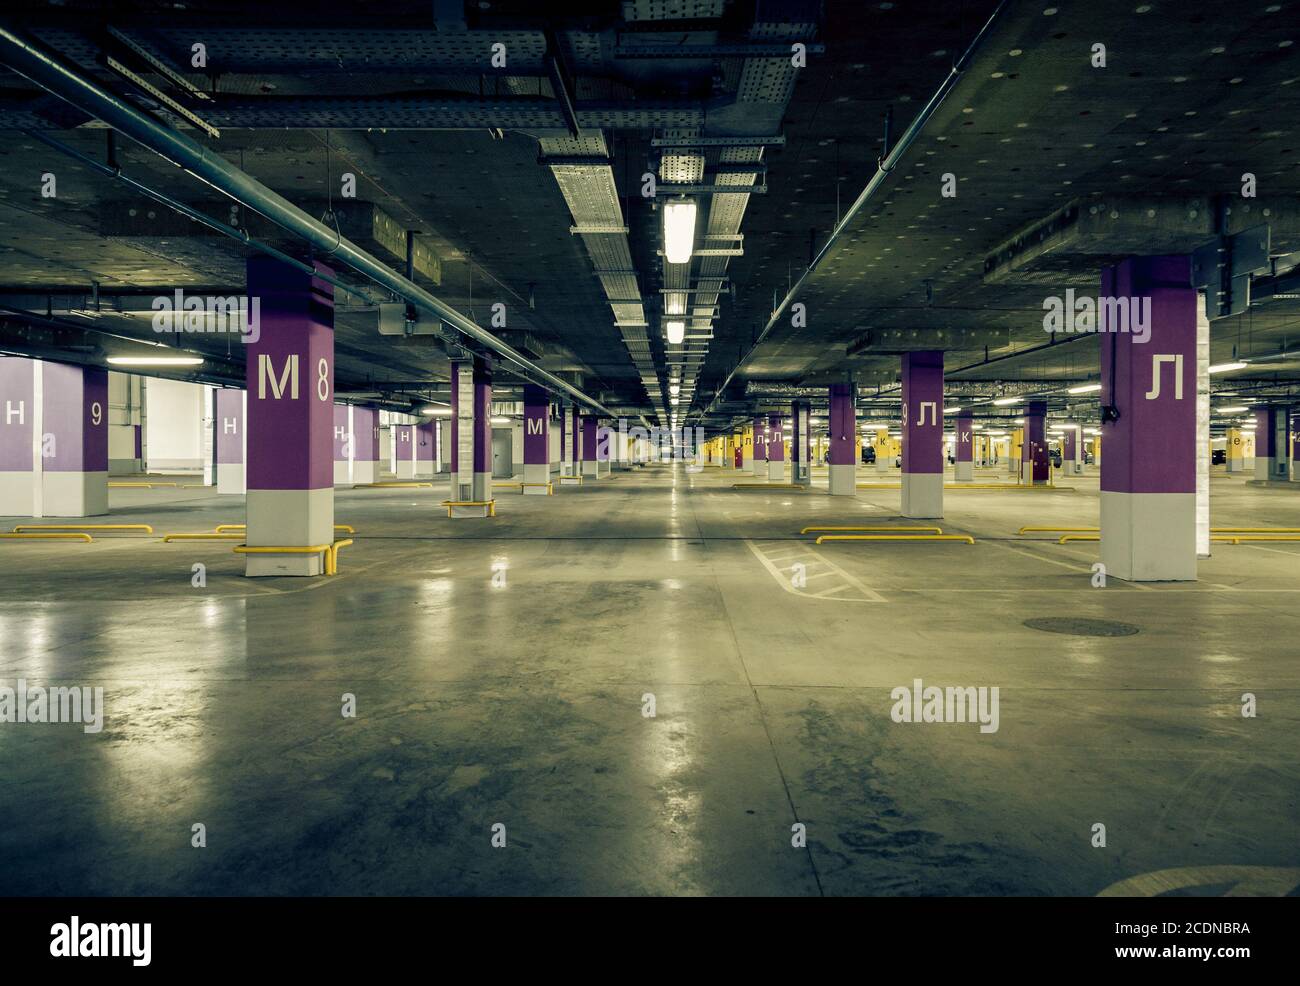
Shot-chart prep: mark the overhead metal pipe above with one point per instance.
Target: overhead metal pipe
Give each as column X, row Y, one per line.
column 52, row 74
column 883, row 167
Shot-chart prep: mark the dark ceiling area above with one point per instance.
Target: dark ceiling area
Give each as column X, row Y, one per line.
column 508, row 147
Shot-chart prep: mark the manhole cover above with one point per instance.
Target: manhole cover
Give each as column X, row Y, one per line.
column 1082, row 627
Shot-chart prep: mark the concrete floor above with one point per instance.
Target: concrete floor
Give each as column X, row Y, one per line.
column 522, row 704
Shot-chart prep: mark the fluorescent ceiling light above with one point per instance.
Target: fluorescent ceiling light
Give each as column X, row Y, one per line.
column 676, row 331
column 437, row 412
column 1230, row 410
column 1227, row 367
column 1006, row 401
column 951, row 410
column 674, row 389
column 155, row 361
column 679, row 230
column 1087, row 388
column 498, row 420
column 675, row 303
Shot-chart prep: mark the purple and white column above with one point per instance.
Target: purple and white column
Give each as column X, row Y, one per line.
column 426, row 449
column 1294, row 445
column 775, row 449
column 403, row 451
column 568, row 442
column 482, row 430
column 471, row 401
column 74, row 429
column 1035, row 465
column 842, row 431
column 343, row 444
column 1148, row 476
column 20, row 445
column 290, row 383
column 964, row 451
column 800, row 440
column 922, row 373
column 1071, row 448
column 1270, row 444
column 232, row 440
column 365, row 444
column 587, row 447
column 761, row 439
column 537, row 439
column 603, row 440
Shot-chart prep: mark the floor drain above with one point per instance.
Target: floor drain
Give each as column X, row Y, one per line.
column 1083, row 627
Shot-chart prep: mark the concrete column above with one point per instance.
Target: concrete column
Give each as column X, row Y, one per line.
column 922, row 373
column 20, row 443
column 1071, row 451
column 843, row 426
column 603, row 439
column 1035, row 465
column 884, row 451
column 1235, row 452
column 964, row 470
column 365, row 444
column 482, row 383
column 471, row 401
column 775, row 449
column 404, row 456
column 232, row 440
column 290, row 382
column 342, row 433
column 1015, row 450
column 747, row 451
column 1270, row 444
column 761, row 439
column 537, row 430
column 1295, row 445
column 1148, row 479
column 426, row 444
column 800, row 439
column 587, row 447
column 74, row 460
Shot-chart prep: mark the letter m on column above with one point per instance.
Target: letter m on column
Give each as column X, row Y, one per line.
column 266, row 374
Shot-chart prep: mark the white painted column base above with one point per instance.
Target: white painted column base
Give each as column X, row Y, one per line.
column 747, row 464
column 230, row 478
column 365, row 472
column 844, row 480
column 423, row 470
column 922, row 495
column 603, row 469
column 589, row 469
column 16, row 494
column 405, row 469
column 964, row 472
column 1236, row 465
column 482, row 488
column 288, row 518
column 566, row 480
column 776, row 471
column 341, row 477
column 536, row 473
column 74, row 494
column 1013, row 467
column 1149, row 537
column 464, row 512
column 883, row 463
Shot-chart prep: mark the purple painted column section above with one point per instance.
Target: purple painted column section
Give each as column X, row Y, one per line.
column 1148, row 474
column 602, row 440
column 342, row 436
column 405, row 436
column 1265, row 448
column 289, row 377
column 588, row 438
column 17, row 415
column 1034, row 459
column 1152, row 447
column 230, row 427
column 290, row 399
column 923, row 412
column 454, row 458
column 760, row 439
column 424, row 442
column 775, row 438
column 842, row 433
column 537, row 426
column 1068, row 450
column 75, row 418
column 139, row 441
column 963, row 438
column 365, row 434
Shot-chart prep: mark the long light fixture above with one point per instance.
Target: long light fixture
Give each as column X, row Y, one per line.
column 499, row 420
column 676, row 331
column 1230, row 410
column 1006, row 401
column 951, row 410
column 155, row 361
column 675, row 303
column 1227, row 367
column 679, row 230
column 437, row 412
column 1086, row 388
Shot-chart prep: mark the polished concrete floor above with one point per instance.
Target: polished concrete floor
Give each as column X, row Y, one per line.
column 521, row 704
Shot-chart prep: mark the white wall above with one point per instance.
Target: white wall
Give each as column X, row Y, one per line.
column 174, row 426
